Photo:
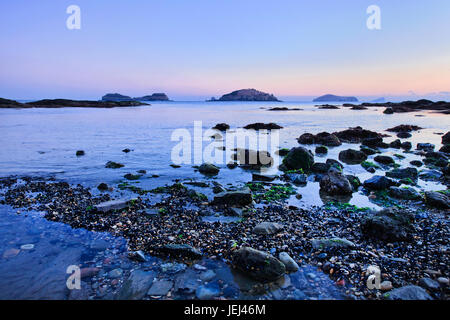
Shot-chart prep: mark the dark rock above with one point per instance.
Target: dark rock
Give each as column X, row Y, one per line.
column 80, row 153
column 241, row 197
column 116, row 97
column 300, row 179
column 253, row 159
column 409, row 293
column 354, row 181
column 430, row 175
column 372, row 142
column 136, row 286
column 378, row 183
column 263, row 126
column 113, row 165
column 396, row 144
column 404, row 128
column 388, row 111
column 351, row 156
column 328, row 107
column 429, row 284
column 445, row 149
column 221, row 127
column 335, row 183
column 404, row 135
column 332, row 244
column 126, row 150
column 416, row 163
column 102, row 187
column 335, row 164
column 179, row 250
column 258, row 265
column 368, row 151
column 427, row 147
column 321, row 150
column 388, row 225
column 406, row 145
column 446, row 138
column 384, row 160
column 437, row 200
column 319, row 167
column 153, row 97
column 298, row 158
column 262, row 177
column 356, row 135
column 404, row 193
column 411, row 173
column 130, row 176
column 160, row 288
column 208, row 169
column 323, row 138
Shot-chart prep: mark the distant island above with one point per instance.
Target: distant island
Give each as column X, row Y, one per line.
column 247, row 95
column 65, row 103
column 154, row 97
column 117, row 97
column 333, row 98
column 379, row 100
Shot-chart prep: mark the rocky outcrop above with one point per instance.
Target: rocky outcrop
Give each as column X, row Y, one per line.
column 404, row 193
column 258, row 265
column 333, row 98
column 6, row 103
column 208, row 169
column 247, row 95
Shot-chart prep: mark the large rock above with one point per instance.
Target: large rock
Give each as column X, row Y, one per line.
column 335, row 183
column 405, row 173
column 384, row 160
column 267, row 228
column 404, row 193
column 446, row 138
column 208, row 169
column 258, row 265
column 136, row 286
column 378, row 183
column 298, row 158
column 323, row 138
column 388, row 225
column 409, row 293
column 437, row 200
column 240, row 198
column 356, row 135
column 253, row 159
column 351, row 156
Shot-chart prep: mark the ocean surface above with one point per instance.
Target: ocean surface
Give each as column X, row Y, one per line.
column 43, row 142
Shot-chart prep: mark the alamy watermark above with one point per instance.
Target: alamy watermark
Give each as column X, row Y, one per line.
column 73, row 22
column 74, row 280
column 374, row 20
column 374, row 277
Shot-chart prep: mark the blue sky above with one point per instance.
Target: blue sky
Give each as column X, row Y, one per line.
column 202, row 48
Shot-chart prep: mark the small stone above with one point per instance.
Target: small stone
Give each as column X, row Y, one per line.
column 386, row 286
column 27, row 246
column 10, row 253
column 115, row 274
column 267, row 228
column 160, row 288
column 443, row 281
column 290, row 264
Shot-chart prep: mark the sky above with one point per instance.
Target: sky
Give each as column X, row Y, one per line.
column 192, row 50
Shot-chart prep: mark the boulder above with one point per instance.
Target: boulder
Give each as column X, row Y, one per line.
column 396, row 144
column 221, row 127
column 406, row 145
column 335, row 183
column 241, row 197
column 411, row 173
column 267, row 228
column 427, row 147
column 288, row 262
column 404, row 135
column 258, row 265
column 404, row 193
column 388, row 225
column 321, row 150
column 409, row 293
column 356, row 135
column 388, row 110
column 136, row 286
column 384, row 160
column 263, row 126
column 208, row 169
column 437, row 200
column 319, row 167
column 323, row 138
column 378, row 183
column 351, row 156
column 368, row 151
column 263, row 177
column 332, row 243
column 298, row 158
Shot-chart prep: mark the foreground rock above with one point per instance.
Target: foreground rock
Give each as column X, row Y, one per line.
column 437, row 200
column 288, row 262
column 179, row 250
column 351, row 156
column 323, row 138
column 240, row 198
column 136, row 286
column 405, row 173
column 258, row 265
column 404, row 193
column 409, row 293
column 331, row 244
column 298, row 158
column 388, row 225
column 335, row 183
column 208, row 169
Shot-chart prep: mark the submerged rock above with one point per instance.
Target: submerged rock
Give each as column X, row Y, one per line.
column 113, row 165
column 160, row 288
column 388, row 225
column 136, row 286
column 258, row 265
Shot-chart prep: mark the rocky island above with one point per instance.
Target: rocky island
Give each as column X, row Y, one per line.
column 408, row 106
column 247, row 95
column 154, row 97
column 333, row 98
column 66, row 103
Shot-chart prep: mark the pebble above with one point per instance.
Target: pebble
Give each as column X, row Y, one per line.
column 115, row 274
column 386, row 286
column 27, row 247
